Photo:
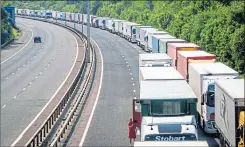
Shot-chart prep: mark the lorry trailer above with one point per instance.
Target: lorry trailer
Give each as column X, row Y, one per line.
column 155, row 59
column 173, row 49
column 150, row 37
column 184, row 58
column 171, row 144
column 117, row 27
column 155, row 42
column 163, row 43
column 201, row 80
column 229, row 111
column 159, row 73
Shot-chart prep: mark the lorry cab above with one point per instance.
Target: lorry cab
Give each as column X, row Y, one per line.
column 155, row 59
column 165, row 100
column 181, row 128
column 171, row 144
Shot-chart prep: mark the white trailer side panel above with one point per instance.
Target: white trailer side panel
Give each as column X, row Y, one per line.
column 154, row 33
column 224, row 115
column 228, row 95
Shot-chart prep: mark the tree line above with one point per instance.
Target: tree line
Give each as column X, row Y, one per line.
column 217, row 26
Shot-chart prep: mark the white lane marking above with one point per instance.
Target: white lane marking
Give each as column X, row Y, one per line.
column 125, row 59
column 21, row 48
column 131, row 74
column 30, row 83
column 96, row 101
column 129, row 69
column 28, row 61
column 24, row 65
column 15, row 97
column 126, row 62
column 18, row 68
column 128, row 65
column 40, row 73
column 132, row 78
column 31, row 58
column 13, row 73
column 6, row 78
column 133, row 84
column 4, row 106
column 21, row 135
column 24, row 89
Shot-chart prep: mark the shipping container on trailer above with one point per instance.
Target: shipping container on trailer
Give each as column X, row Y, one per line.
column 186, row 57
column 159, row 73
column 154, row 46
column 137, row 30
column 229, row 112
column 150, row 37
column 154, row 59
column 144, row 37
column 163, row 43
column 201, row 80
column 173, row 49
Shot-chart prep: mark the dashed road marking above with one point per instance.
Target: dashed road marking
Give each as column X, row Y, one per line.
column 133, row 84
column 4, row 106
column 24, row 89
column 132, row 78
column 40, row 73
column 36, row 77
column 6, row 78
column 128, row 65
column 18, row 68
column 131, row 74
column 15, row 97
column 24, row 65
column 13, row 73
column 134, row 91
column 129, row 69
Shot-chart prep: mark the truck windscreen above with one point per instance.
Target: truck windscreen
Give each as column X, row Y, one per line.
column 171, row 137
column 210, row 99
column 168, row 108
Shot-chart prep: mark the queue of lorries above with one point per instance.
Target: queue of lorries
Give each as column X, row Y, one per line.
column 181, row 86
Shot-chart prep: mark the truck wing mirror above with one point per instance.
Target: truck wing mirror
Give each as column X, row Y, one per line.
column 202, row 100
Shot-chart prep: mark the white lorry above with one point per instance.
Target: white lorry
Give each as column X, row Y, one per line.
column 201, row 80
column 167, row 111
column 229, row 111
column 137, row 33
column 144, row 37
column 129, row 31
column 171, row 144
column 155, row 59
column 116, row 26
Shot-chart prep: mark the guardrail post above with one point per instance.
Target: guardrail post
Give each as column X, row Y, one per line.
column 41, row 135
column 37, row 140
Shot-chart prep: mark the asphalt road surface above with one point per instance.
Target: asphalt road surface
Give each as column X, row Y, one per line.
column 120, row 85
column 31, row 73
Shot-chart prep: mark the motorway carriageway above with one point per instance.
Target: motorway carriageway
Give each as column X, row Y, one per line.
column 31, row 73
column 120, row 84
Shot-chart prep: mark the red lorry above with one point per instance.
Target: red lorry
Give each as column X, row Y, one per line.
column 173, row 49
column 186, row 57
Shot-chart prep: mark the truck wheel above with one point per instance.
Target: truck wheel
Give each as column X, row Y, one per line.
column 204, row 127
